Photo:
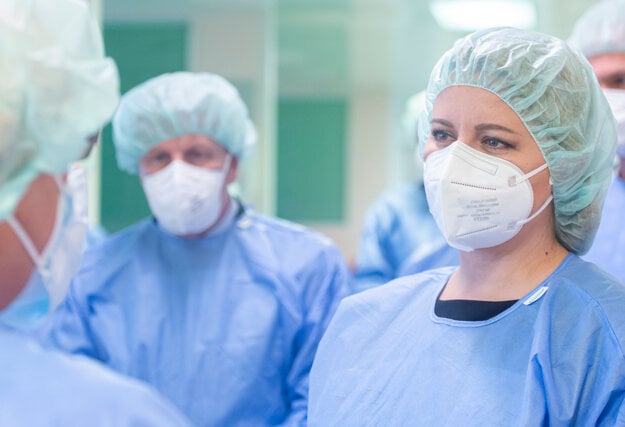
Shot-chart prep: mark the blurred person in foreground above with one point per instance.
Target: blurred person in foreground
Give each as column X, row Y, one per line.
column 518, row 140
column 57, row 90
column 40, row 298
column 218, row 307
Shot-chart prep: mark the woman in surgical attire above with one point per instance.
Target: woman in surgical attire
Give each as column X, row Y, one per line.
column 518, row 144
column 56, row 90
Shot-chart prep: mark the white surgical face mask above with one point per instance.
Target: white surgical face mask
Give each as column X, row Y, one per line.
column 186, row 199
column 62, row 256
column 478, row 200
column 616, row 99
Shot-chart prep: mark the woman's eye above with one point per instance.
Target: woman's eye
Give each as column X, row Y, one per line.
column 441, row 136
column 495, row 143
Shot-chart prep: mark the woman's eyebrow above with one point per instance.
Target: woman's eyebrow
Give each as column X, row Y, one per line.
column 442, row 122
column 492, row 126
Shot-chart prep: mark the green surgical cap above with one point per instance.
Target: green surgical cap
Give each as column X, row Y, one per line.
column 56, row 90
column 601, row 29
column 178, row 104
column 553, row 90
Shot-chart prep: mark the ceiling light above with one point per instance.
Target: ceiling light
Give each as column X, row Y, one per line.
column 471, row 15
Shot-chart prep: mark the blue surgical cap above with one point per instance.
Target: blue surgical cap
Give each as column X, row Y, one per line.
column 553, row 90
column 56, row 90
column 601, row 29
column 178, row 104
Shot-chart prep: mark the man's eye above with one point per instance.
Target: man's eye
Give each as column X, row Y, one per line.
column 619, row 81
column 198, row 155
column 160, row 157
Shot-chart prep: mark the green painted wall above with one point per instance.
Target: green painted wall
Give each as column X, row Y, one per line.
column 311, row 159
column 141, row 51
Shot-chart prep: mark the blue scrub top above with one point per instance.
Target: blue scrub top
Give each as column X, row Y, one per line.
column 428, row 257
column 226, row 326
column 46, row 388
column 396, row 226
column 554, row 358
column 608, row 248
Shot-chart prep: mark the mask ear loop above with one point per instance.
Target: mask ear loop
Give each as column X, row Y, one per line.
column 225, row 168
column 535, row 214
column 545, row 203
column 512, row 181
column 26, row 241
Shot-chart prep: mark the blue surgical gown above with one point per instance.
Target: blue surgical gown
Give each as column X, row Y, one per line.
column 397, row 225
column 226, row 326
column 46, row 388
column 428, row 257
column 608, row 248
column 556, row 359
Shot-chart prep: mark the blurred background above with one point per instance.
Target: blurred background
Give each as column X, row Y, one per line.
column 326, row 82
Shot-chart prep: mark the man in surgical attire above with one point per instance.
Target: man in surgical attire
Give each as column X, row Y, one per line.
column 57, row 89
column 600, row 35
column 218, row 307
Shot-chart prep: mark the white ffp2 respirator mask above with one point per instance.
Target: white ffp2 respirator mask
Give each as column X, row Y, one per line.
column 478, row 200
column 185, row 199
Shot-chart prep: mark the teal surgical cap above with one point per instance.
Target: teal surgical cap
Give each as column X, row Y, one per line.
column 178, row 104
column 56, row 90
column 601, row 29
column 553, row 90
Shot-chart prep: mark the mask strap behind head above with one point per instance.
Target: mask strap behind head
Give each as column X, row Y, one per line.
column 545, row 203
column 27, row 243
column 25, row 239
